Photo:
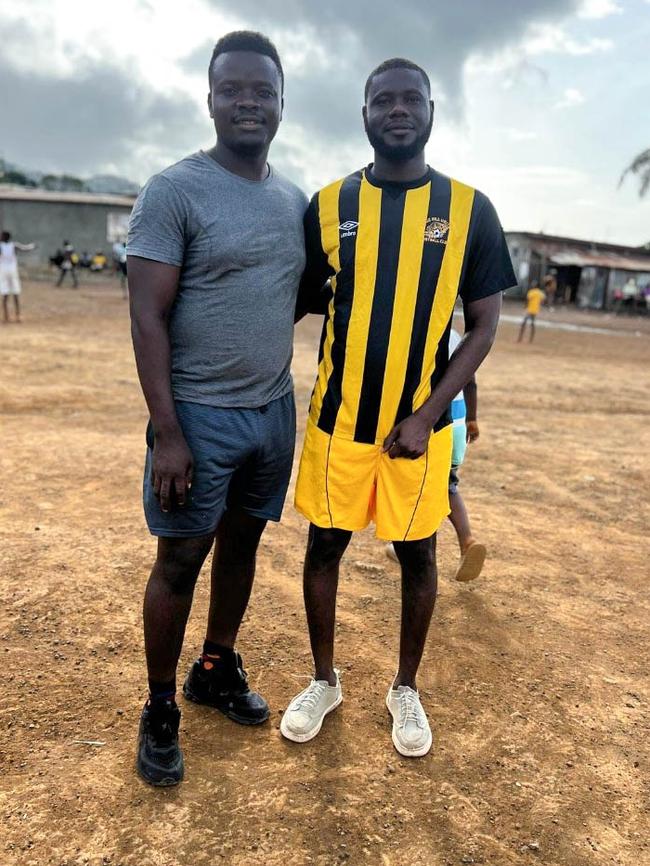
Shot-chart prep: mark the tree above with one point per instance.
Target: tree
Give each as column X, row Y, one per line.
column 640, row 166
column 16, row 177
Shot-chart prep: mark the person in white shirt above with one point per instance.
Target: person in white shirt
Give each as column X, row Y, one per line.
column 119, row 262
column 9, row 277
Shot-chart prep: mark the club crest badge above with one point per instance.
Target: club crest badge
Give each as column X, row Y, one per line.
column 436, row 230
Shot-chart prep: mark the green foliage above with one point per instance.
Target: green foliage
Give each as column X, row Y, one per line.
column 640, row 166
column 16, row 177
column 63, row 183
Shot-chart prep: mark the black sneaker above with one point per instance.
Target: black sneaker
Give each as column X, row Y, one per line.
column 225, row 687
column 160, row 760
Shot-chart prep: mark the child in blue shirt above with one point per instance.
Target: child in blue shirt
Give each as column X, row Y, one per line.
column 465, row 430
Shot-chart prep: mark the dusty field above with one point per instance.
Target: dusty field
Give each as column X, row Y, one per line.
column 535, row 678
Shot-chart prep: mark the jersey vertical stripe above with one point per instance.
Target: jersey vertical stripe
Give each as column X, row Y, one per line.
column 416, row 209
column 460, row 210
column 365, row 274
column 325, row 414
column 328, row 216
column 439, row 204
column 388, row 258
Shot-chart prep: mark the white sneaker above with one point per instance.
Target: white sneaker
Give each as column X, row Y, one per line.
column 411, row 732
column 303, row 718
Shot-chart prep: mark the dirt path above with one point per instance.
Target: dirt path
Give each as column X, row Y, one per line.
column 535, row 678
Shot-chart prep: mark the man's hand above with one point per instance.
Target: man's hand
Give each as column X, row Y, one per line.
column 172, row 470
column 409, row 438
column 472, row 431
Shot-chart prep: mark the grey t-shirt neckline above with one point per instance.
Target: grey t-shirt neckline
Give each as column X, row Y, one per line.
column 235, row 177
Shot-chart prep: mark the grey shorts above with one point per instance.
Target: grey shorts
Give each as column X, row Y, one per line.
column 242, row 458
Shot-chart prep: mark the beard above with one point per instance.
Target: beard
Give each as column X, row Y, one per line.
column 398, row 152
column 249, row 149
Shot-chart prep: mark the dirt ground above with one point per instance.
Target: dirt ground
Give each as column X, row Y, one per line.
column 535, row 678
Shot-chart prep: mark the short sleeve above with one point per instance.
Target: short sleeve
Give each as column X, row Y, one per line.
column 157, row 228
column 314, row 295
column 488, row 268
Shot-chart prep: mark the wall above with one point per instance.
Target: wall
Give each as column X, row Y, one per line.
column 50, row 223
column 520, row 254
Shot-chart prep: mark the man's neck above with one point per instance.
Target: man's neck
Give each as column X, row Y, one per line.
column 248, row 167
column 399, row 172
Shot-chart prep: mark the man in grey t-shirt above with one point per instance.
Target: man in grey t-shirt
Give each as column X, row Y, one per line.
column 216, row 252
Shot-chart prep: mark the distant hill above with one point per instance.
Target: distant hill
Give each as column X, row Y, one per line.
column 99, row 183
column 112, row 183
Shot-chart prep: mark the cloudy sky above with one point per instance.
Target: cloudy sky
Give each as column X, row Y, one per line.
column 539, row 103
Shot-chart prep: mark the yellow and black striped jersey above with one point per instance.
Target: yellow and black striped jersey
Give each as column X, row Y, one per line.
column 396, row 256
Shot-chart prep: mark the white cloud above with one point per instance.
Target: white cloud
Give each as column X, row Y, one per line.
column 145, row 39
column 553, row 39
column 600, row 8
column 520, row 134
column 570, row 99
column 557, row 176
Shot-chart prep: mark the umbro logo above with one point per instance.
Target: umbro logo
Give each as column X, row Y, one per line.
column 348, row 229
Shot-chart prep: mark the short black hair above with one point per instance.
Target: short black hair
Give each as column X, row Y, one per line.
column 396, row 63
column 6, row 236
column 246, row 40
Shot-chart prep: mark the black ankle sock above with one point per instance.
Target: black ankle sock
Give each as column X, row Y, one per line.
column 213, row 653
column 161, row 692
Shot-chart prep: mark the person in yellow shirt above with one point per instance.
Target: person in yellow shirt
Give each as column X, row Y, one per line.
column 534, row 300
column 98, row 262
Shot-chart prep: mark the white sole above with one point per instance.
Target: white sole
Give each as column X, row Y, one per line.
column 304, row 738
column 408, row 753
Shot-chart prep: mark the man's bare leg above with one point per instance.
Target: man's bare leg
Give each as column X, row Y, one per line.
column 233, row 572
column 419, row 587
column 325, row 547
column 168, row 600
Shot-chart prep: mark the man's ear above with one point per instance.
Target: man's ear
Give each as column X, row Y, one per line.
column 433, row 108
column 281, row 106
column 210, row 111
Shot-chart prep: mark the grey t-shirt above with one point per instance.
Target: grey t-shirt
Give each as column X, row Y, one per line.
column 240, row 247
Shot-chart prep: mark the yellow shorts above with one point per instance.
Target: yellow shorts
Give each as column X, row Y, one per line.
column 344, row 485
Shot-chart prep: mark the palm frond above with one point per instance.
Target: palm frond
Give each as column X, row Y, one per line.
column 639, row 166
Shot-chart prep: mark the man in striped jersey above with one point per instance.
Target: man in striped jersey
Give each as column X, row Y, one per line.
column 398, row 243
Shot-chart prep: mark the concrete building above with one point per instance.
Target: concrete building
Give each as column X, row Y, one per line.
column 90, row 221
column 589, row 274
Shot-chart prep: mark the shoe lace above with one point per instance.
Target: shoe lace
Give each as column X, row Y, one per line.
column 311, row 697
column 409, row 709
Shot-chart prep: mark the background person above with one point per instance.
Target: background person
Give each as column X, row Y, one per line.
column 68, row 265
column 120, row 263
column 464, row 409
column 98, row 261
column 9, row 276
column 534, row 299
column 550, row 289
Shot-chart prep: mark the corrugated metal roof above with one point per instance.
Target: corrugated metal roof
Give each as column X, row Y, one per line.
column 583, row 259
column 23, row 193
column 554, row 241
